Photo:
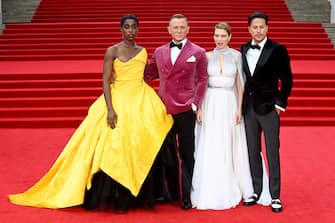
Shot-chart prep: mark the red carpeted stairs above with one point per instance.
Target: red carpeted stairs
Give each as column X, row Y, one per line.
column 50, row 69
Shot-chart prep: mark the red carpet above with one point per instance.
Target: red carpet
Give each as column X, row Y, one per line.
column 50, row 69
column 50, row 72
column 307, row 189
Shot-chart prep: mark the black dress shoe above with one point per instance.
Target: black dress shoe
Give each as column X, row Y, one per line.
column 276, row 205
column 251, row 200
column 186, row 204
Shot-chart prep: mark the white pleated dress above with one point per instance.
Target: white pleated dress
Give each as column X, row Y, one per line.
column 221, row 175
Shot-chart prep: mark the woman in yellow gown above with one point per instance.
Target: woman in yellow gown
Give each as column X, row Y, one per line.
column 113, row 158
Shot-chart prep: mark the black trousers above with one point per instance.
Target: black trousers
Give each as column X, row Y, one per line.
column 166, row 172
column 183, row 129
column 255, row 124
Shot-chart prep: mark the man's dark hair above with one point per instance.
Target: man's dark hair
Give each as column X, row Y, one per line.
column 129, row 16
column 260, row 15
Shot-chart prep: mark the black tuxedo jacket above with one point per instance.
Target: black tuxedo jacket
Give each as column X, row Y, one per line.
column 261, row 88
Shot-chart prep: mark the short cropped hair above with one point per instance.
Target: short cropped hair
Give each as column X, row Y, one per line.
column 129, row 16
column 256, row 15
column 178, row 16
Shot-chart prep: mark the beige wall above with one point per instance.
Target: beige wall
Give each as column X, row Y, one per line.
column 332, row 11
column 0, row 14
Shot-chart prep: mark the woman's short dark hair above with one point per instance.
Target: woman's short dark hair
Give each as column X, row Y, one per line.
column 129, row 16
column 256, row 15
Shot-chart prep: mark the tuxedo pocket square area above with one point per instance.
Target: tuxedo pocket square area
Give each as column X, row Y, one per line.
column 191, row 59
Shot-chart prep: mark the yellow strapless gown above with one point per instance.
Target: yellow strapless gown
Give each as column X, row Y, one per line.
column 125, row 153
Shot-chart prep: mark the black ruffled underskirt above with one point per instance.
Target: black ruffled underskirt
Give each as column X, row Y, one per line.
column 161, row 185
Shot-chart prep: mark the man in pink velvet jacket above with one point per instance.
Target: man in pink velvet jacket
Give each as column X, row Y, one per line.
column 182, row 68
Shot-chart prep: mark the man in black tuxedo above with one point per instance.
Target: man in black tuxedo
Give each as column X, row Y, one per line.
column 265, row 63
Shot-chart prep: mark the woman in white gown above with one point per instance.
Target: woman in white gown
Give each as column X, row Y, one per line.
column 221, row 175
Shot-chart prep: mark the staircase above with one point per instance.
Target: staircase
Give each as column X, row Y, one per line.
column 18, row 11
column 330, row 29
column 313, row 11
column 80, row 30
column 309, row 10
column 88, row 40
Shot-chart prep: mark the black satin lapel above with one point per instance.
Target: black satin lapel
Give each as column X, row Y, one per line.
column 264, row 57
column 245, row 62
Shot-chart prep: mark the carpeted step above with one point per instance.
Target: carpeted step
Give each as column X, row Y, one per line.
column 314, row 83
column 51, row 52
column 307, row 121
column 158, row 25
column 81, row 82
column 101, row 55
column 73, row 122
column 302, row 101
column 329, row 76
column 36, row 122
column 50, row 83
column 313, row 92
column 75, row 111
column 51, row 57
column 161, row 39
column 101, row 51
column 93, row 91
column 104, row 44
column 309, row 111
column 25, row 47
column 50, row 92
column 48, row 112
column 36, row 102
column 67, row 101
column 198, row 36
column 50, row 76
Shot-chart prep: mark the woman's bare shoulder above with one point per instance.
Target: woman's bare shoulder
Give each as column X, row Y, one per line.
column 111, row 51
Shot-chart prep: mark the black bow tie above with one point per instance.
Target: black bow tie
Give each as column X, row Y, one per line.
column 179, row 45
column 255, row 47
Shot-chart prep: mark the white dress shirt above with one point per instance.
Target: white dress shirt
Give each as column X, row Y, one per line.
column 254, row 54
column 175, row 51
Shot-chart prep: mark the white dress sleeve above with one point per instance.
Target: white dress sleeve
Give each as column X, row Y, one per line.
column 238, row 61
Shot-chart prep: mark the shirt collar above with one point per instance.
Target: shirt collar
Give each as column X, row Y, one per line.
column 261, row 44
column 183, row 42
